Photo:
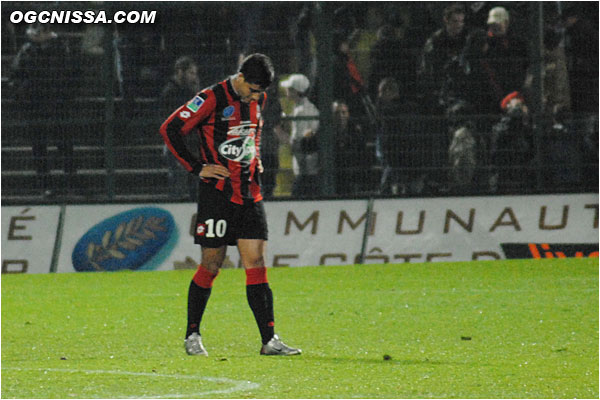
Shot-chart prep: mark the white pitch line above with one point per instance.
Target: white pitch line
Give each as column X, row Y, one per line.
column 237, row 385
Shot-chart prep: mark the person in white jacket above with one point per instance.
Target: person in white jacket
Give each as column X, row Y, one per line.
column 303, row 136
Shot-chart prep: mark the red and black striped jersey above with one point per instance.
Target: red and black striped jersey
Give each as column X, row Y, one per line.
column 229, row 132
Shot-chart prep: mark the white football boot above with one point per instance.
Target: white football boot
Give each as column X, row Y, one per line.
column 276, row 347
column 193, row 345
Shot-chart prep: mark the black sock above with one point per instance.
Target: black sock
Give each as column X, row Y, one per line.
column 260, row 299
column 197, row 299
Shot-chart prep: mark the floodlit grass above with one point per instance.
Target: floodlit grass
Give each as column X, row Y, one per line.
column 497, row 329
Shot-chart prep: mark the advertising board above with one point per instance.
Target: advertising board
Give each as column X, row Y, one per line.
column 28, row 238
column 151, row 237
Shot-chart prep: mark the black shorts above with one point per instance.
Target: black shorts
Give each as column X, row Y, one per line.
column 220, row 222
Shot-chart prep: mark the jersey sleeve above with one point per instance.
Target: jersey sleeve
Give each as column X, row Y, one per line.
column 181, row 122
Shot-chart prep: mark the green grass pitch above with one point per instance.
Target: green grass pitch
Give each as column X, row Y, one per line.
column 495, row 329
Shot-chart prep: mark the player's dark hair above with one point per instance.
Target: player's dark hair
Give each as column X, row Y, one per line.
column 258, row 70
column 184, row 63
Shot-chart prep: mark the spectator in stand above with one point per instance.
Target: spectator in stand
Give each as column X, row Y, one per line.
column 272, row 130
column 561, row 151
column 305, row 57
column 182, row 86
column 467, row 152
column 353, row 154
column 92, row 57
column 557, row 88
column 511, row 147
column 580, row 20
column 582, row 52
column 390, row 58
column 438, row 51
column 347, row 81
column 303, row 136
column 398, row 147
column 44, row 97
column 556, row 93
column 348, row 84
column 138, row 53
column 507, row 55
column 212, row 31
column 471, row 80
column 469, row 98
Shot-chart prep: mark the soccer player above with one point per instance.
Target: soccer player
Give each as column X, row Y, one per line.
column 227, row 116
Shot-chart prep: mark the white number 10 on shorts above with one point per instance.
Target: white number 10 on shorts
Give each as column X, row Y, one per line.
column 210, row 229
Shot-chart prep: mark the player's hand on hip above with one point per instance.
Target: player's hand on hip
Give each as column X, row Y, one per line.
column 261, row 169
column 214, row 171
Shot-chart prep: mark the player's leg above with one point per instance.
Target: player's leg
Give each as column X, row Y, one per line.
column 198, row 294
column 258, row 292
column 201, row 286
column 211, row 234
column 260, row 296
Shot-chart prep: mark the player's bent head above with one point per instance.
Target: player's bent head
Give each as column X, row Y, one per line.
column 258, row 69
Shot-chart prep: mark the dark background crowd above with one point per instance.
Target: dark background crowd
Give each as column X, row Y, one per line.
column 425, row 98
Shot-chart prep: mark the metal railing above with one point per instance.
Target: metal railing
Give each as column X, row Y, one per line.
column 418, row 156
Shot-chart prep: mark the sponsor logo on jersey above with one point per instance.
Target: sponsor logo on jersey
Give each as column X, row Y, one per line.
column 195, row 104
column 246, row 128
column 240, row 149
column 185, row 114
column 228, row 113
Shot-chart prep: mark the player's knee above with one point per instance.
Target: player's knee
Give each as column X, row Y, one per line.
column 212, row 259
column 212, row 265
column 254, row 262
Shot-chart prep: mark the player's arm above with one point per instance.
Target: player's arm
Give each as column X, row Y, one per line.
column 181, row 123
